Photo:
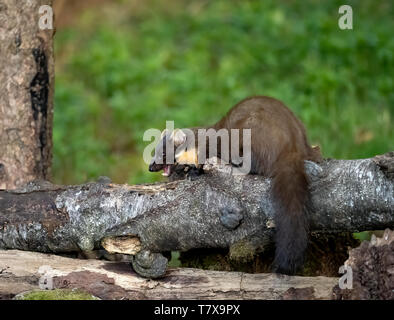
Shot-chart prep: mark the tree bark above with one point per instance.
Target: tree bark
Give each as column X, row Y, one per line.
column 26, row 94
column 372, row 268
column 218, row 210
column 22, row 271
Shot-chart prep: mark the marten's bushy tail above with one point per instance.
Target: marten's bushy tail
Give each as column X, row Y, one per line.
column 290, row 193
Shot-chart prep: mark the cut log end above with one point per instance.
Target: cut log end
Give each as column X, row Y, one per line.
column 122, row 244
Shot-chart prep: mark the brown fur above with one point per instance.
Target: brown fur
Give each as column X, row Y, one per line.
column 278, row 150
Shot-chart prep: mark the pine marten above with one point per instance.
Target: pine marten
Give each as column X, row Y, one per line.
column 279, row 147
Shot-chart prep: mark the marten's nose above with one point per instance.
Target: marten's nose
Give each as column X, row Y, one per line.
column 154, row 167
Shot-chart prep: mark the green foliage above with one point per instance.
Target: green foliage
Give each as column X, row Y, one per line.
column 363, row 236
column 124, row 68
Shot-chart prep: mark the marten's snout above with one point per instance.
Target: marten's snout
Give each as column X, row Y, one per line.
column 154, row 167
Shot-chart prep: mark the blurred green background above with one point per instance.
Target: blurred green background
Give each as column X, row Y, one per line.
column 126, row 66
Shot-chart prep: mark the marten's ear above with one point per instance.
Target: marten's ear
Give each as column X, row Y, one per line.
column 179, row 137
column 163, row 134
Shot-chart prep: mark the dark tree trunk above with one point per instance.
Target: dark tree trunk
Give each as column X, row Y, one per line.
column 26, row 94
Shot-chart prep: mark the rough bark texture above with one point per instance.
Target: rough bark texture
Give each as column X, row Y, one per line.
column 26, row 94
column 325, row 254
column 21, row 271
column 218, row 210
column 372, row 265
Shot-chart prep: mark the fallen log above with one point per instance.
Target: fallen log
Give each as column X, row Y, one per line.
column 22, row 271
column 372, row 269
column 217, row 210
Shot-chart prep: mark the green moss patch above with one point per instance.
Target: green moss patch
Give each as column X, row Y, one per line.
column 57, row 294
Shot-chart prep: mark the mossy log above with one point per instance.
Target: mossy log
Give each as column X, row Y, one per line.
column 22, row 271
column 217, row 210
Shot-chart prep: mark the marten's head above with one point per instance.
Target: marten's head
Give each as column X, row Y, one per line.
column 175, row 148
